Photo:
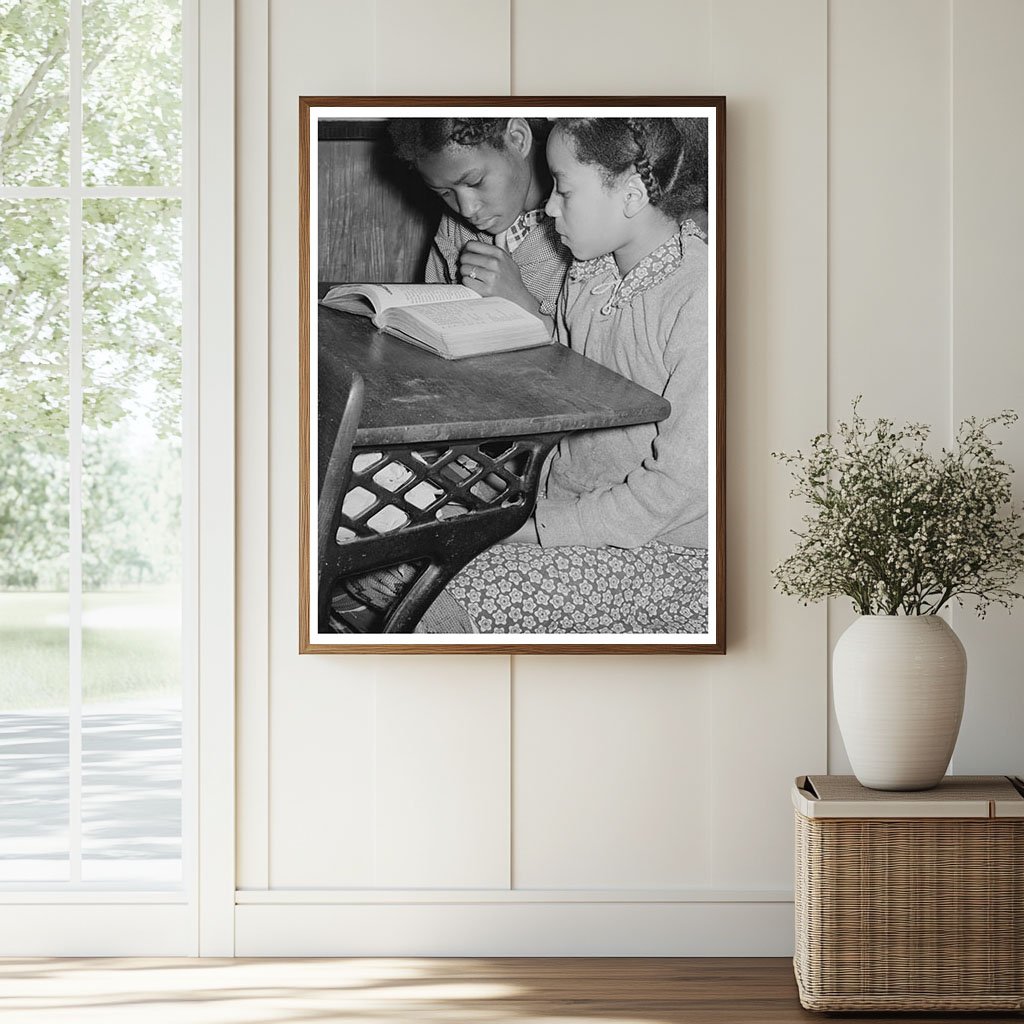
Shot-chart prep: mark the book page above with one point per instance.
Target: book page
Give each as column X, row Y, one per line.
column 389, row 296
column 455, row 316
column 421, row 294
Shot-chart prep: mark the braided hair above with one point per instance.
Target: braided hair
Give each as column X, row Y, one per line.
column 415, row 138
column 669, row 154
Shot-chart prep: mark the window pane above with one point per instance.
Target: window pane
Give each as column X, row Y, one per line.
column 131, row 781
column 33, row 540
column 131, row 541
column 34, row 805
column 131, row 92
column 33, row 92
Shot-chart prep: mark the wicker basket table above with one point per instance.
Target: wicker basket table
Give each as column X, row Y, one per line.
column 910, row 901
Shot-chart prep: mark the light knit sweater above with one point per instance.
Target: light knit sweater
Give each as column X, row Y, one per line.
column 626, row 487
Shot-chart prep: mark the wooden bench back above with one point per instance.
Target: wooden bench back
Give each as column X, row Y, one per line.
column 375, row 217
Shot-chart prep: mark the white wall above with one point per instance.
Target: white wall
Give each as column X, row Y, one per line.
column 626, row 805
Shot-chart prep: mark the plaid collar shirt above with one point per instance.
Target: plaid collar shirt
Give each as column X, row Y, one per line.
column 520, row 228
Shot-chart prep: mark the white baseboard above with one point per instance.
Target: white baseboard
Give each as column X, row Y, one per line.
column 513, row 928
column 96, row 929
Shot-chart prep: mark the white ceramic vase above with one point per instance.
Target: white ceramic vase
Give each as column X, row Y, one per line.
column 898, row 684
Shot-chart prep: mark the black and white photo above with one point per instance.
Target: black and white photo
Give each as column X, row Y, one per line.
column 512, row 375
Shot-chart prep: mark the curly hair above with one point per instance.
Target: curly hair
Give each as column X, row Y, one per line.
column 414, row 138
column 669, row 154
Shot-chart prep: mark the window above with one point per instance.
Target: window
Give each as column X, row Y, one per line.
column 95, row 471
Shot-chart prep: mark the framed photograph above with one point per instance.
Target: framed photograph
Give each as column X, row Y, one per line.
column 512, row 372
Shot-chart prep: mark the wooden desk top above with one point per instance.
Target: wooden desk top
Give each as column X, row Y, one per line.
column 414, row 396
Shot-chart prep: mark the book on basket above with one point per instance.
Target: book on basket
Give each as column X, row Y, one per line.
column 450, row 320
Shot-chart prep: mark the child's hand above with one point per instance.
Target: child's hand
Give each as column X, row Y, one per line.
column 490, row 270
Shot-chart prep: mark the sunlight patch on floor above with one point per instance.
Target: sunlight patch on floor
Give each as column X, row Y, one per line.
column 219, row 991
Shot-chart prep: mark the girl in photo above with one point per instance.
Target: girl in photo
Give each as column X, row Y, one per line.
column 618, row 541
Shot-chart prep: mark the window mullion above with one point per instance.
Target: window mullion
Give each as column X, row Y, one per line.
column 95, row 191
column 75, row 337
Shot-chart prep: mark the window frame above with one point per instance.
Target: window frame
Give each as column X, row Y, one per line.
column 74, row 918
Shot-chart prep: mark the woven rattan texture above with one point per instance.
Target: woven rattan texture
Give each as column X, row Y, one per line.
column 916, row 914
column 959, row 787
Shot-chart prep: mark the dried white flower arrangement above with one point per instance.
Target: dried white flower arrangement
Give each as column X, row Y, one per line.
column 900, row 530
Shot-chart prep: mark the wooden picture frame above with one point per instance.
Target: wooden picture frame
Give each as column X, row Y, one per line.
column 423, row 464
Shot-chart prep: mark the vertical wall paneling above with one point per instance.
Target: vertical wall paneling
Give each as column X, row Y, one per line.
column 442, row 773
column 320, row 708
column 323, row 760
column 612, row 775
column 889, row 209
column 580, row 48
column 442, row 776
column 611, row 756
column 443, row 723
column 988, row 331
column 888, row 223
column 253, row 463
column 769, row 692
column 442, row 48
column 328, row 827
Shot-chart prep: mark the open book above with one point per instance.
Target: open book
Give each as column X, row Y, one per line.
column 449, row 319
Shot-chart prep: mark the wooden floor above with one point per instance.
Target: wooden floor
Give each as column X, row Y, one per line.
column 382, row 991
